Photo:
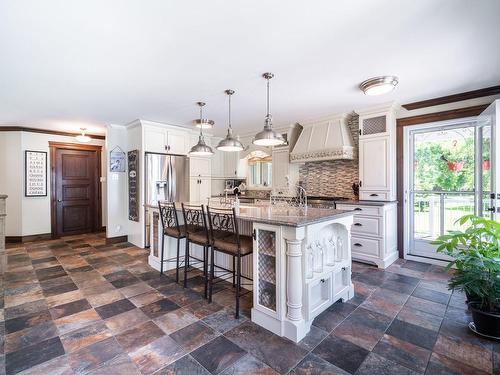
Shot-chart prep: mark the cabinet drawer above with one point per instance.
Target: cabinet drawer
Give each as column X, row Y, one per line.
column 365, row 246
column 374, row 195
column 361, row 210
column 367, row 225
column 319, row 295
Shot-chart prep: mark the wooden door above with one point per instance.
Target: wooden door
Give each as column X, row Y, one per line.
column 76, row 195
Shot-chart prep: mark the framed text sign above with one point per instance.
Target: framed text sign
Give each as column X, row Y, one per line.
column 35, row 173
column 117, row 160
column 133, row 185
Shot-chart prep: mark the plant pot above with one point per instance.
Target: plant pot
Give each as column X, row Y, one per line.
column 486, row 323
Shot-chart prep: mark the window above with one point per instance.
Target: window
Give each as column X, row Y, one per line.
column 259, row 169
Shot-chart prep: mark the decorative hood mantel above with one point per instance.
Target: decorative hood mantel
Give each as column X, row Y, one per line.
column 328, row 139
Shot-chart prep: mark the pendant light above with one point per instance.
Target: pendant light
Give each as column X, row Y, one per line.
column 201, row 148
column 230, row 143
column 82, row 138
column 268, row 137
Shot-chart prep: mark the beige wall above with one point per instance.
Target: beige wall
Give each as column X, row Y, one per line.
column 31, row 215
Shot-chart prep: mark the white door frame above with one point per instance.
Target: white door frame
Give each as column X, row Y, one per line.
column 407, row 176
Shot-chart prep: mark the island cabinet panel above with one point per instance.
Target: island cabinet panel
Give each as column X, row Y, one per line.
column 267, row 245
column 319, row 295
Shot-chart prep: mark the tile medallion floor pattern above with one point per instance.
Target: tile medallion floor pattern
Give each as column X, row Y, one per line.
column 78, row 306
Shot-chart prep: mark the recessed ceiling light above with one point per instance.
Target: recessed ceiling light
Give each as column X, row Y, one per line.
column 379, row 85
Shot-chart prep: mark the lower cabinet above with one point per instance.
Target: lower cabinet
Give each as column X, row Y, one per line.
column 200, row 189
column 319, row 294
column 374, row 232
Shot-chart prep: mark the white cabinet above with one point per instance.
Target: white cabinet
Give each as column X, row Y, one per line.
column 374, row 164
column 199, row 189
column 374, row 233
column 234, row 167
column 283, row 168
column 200, row 166
column 165, row 140
column 377, row 154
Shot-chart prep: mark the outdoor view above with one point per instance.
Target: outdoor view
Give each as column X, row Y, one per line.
column 444, row 179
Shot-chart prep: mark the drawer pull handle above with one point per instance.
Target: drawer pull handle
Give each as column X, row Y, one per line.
column 358, row 224
column 358, row 244
column 373, row 195
column 322, row 280
column 358, row 209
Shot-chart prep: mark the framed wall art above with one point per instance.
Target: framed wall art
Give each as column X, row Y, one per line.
column 133, row 185
column 117, row 160
column 35, row 173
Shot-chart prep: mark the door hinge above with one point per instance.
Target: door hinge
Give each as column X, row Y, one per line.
column 254, row 234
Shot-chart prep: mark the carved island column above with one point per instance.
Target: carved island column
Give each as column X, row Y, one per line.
column 294, row 279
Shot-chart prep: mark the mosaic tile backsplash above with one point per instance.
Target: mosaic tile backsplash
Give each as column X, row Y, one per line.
column 333, row 177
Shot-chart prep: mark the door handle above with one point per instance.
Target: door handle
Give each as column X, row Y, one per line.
column 59, row 200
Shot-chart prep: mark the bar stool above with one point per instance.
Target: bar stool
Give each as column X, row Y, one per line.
column 171, row 228
column 195, row 224
column 231, row 243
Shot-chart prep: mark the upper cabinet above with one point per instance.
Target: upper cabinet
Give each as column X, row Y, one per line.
column 377, row 154
column 165, row 140
column 282, row 168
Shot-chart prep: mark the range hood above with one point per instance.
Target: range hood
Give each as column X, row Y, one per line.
column 328, row 139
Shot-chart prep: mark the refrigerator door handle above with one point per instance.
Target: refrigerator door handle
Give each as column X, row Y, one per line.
column 172, row 182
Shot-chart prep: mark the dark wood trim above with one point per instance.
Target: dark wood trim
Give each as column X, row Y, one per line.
column 75, row 146
column 488, row 91
column 422, row 119
column 113, row 240
column 45, row 131
column 30, row 238
column 72, row 146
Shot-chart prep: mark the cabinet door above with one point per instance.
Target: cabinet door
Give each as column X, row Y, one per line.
column 280, row 168
column 374, row 171
column 266, row 245
column 194, row 189
column 176, row 142
column 242, row 168
column 199, row 167
column 155, row 140
column 218, row 164
column 205, row 189
column 231, row 164
column 374, row 125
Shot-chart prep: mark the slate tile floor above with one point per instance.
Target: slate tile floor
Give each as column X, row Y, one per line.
column 79, row 306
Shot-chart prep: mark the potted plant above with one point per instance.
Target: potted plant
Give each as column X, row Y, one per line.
column 476, row 259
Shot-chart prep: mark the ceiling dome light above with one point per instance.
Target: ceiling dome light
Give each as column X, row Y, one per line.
column 230, row 143
column 201, row 148
column 268, row 137
column 82, row 138
column 379, row 85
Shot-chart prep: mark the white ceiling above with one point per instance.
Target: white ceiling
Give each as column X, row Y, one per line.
column 68, row 63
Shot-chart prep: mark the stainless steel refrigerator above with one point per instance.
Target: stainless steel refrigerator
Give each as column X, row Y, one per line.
column 167, row 178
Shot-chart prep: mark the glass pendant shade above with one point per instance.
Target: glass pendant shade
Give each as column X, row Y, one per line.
column 201, row 148
column 268, row 137
column 230, row 143
column 82, row 138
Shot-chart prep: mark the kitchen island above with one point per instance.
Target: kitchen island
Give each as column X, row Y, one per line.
column 287, row 293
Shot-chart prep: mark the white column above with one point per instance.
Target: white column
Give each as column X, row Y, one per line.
column 294, row 279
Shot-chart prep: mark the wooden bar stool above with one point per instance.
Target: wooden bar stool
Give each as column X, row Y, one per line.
column 195, row 224
column 225, row 238
column 171, row 228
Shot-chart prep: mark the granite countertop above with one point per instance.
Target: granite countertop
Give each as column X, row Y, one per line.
column 280, row 215
column 366, row 203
